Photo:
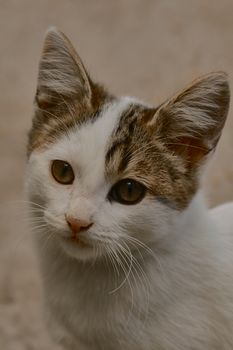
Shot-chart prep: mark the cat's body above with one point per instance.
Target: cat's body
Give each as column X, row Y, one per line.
column 156, row 274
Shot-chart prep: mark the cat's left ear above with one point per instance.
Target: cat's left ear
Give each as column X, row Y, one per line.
column 190, row 123
column 62, row 76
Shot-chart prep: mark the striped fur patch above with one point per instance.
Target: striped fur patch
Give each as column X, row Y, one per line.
column 135, row 152
column 50, row 123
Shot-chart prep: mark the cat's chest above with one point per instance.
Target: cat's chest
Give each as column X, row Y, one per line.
column 96, row 301
column 96, row 311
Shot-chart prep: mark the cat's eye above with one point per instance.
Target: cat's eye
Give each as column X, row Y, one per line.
column 62, row 172
column 127, row 191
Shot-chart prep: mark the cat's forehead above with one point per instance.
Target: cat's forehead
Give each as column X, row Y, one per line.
column 120, row 143
column 89, row 145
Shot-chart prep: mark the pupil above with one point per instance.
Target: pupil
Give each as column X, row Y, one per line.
column 65, row 170
column 130, row 188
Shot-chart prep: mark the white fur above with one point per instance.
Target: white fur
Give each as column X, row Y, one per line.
column 173, row 291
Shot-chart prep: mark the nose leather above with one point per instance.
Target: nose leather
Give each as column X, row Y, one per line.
column 77, row 225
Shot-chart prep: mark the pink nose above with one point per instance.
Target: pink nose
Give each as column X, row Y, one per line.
column 77, row 225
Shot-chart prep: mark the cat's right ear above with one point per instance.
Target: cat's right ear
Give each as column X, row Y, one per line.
column 62, row 76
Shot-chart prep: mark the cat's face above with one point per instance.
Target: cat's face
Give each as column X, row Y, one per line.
column 81, row 176
column 109, row 173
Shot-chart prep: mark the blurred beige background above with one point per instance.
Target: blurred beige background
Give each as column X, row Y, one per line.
column 144, row 48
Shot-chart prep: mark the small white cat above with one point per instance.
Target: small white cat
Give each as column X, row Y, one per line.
column 131, row 257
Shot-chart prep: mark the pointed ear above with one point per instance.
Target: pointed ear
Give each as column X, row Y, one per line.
column 62, row 76
column 190, row 123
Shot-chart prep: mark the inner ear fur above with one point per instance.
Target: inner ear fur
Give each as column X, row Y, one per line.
column 191, row 122
column 62, row 76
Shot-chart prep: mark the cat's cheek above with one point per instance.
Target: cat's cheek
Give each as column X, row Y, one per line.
column 149, row 221
column 38, row 180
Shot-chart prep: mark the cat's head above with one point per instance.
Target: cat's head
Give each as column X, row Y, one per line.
column 110, row 173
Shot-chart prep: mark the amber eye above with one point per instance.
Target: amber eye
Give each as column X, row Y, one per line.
column 127, row 191
column 62, row 172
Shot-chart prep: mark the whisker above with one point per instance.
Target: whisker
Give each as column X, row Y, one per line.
column 122, row 259
column 125, row 279
column 146, row 284
column 113, row 261
column 34, row 204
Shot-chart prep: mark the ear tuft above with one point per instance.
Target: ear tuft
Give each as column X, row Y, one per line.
column 62, row 75
column 191, row 122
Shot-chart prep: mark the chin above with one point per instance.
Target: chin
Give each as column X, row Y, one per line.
column 80, row 250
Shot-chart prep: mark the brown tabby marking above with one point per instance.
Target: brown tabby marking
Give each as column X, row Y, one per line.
column 122, row 136
column 66, row 96
column 164, row 147
column 136, row 152
column 62, row 115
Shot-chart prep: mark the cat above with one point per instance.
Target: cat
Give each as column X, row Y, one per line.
column 131, row 258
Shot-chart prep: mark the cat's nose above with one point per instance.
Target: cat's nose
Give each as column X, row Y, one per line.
column 77, row 225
